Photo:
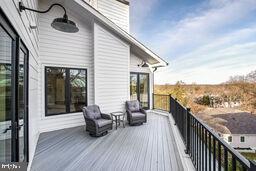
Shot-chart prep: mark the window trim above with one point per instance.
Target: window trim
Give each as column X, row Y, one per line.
column 241, row 139
column 67, row 89
column 231, row 139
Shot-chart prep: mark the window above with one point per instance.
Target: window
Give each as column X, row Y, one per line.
column 230, row 139
column 66, row 90
column 242, row 139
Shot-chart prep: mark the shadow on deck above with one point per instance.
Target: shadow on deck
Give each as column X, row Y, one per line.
column 150, row 146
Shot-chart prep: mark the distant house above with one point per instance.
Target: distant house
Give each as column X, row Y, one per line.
column 242, row 127
column 236, row 127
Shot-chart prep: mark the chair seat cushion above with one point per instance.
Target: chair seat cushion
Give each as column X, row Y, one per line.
column 103, row 122
column 137, row 115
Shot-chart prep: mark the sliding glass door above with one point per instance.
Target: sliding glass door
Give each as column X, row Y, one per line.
column 5, row 95
column 13, row 95
column 139, row 88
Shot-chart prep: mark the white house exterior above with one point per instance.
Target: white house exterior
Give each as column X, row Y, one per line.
column 241, row 141
column 103, row 51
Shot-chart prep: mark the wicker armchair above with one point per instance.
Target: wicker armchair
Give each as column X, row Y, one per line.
column 97, row 123
column 135, row 113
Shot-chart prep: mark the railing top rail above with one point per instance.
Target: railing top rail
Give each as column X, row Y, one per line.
column 161, row 95
column 239, row 156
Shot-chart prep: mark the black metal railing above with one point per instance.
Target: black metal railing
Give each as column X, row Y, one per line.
column 208, row 151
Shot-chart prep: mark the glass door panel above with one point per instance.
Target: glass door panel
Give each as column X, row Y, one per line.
column 21, row 101
column 139, row 88
column 144, row 90
column 5, row 95
column 133, row 86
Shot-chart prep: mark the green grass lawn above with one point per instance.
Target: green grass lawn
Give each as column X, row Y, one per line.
column 249, row 156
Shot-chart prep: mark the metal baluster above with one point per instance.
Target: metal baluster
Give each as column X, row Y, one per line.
column 214, row 154
column 210, row 152
column 202, row 148
column 225, row 159
column 219, row 156
column 206, row 148
column 233, row 163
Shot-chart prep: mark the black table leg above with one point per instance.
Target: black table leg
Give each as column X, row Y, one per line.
column 116, row 121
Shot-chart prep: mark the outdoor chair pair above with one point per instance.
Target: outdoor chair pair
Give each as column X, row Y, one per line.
column 98, row 123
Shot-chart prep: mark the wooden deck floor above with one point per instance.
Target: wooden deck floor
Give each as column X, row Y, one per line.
column 150, row 146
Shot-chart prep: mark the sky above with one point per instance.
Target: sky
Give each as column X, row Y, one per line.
column 204, row 41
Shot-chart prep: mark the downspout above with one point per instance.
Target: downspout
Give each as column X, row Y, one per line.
column 153, row 87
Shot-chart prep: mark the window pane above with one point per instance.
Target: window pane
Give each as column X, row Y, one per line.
column 133, row 87
column 144, row 90
column 5, row 95
column 55, row 90
column 78, row 90
column 21, row 106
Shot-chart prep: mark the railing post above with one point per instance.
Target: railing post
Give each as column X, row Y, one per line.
column 252, row 165
column 188, row 131
column 153, row 101
column 175, row 113
column 170, row 98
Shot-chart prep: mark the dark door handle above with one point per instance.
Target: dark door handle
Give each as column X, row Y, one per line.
column 7, row 129
column 19, row 127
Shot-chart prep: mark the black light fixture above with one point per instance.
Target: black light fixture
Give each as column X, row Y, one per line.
column 62, row 24
column 143, row 64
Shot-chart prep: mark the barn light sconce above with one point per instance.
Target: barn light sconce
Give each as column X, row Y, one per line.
column 143, row 64
column 62, row 24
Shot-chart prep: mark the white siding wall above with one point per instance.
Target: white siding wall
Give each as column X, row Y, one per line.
column 250, row 140
column 111, row 62
column 30, row 38
column 134, row 62
column 116, row 12
column 66, row 50
column 93, row 3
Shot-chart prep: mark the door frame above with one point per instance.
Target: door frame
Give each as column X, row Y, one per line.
column 17, row 44
column 138, row 84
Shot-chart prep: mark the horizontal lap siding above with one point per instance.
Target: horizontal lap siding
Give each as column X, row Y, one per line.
column 64, row 50
column 116, row 12
column 30, row 37
column 111, row 70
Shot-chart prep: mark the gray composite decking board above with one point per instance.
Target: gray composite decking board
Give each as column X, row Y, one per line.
column 150, row 146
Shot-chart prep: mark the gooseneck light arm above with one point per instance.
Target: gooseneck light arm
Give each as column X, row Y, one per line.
column 22, row 8
column 61, row 24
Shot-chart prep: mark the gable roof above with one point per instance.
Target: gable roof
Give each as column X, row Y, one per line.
column 229, row 121
column 136, row 47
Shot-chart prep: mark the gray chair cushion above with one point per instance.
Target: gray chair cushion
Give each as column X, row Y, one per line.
column 137, row 115
column 93, row 112
column 103, row 122
column 133, row 106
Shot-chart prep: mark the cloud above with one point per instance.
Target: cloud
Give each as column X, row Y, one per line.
column 207, row 45
column 203, row 26
column 140, row 10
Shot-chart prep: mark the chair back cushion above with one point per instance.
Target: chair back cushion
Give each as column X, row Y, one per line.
column 133, row 106
column 92, row 112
